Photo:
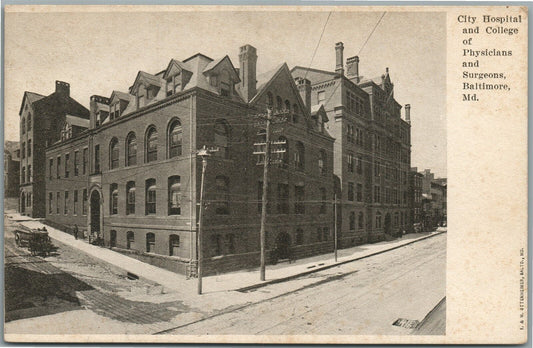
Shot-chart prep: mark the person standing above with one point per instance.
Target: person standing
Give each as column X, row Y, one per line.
column 75, row 231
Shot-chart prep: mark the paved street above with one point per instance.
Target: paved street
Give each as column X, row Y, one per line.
column 72, row 292
column 363, row 297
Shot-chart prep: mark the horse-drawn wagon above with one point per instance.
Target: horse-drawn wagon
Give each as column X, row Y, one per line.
column 36, row 240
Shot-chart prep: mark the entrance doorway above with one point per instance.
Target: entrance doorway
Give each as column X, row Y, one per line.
column 283, row 246
column 113, row 239
column 95, row 212
column 388, row 224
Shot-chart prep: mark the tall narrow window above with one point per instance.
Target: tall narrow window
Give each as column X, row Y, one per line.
column 270, row 101
column 299, row 195
column 283, row 198
column 173, row 244
column 130, row 197
column 295, row 113
column 150, row 242
column 76, row 163
column 113, row 199
column 23, row 150
column 361, row 220
column 287, row 106
column 359, row 192
column 175, row 139
column 50, row 168
column 113, row 151
column 352, row 221
column 321, row 97
column 96, row 159
column 222, row 138
column 350, row 163
column 23, row 175
column 151, row 145
column 75, row 202
column 58, row 199
column 283, row 157
column 359, row 165
column 131, row 148
column 65, row 203
column 222, row 196
column 299, row 156
column 29, row 173
column 85, row 160
column 350, row 191
column 50, row 202
column 130, row 240
column 84, row 202
column 29, row 122
column 174, row 195
column 150, row 206
column 67, row 165
column 279, row 103
column 29, row 148
column 23, row 125
column 322, row 162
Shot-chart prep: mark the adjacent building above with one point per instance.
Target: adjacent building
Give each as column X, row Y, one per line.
column 434, row 200
column 372, row 150
column 415, row 199
column 11, row 169
column 43, row 121
column 132, row 176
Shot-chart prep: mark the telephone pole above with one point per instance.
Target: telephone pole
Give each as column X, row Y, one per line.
column 269, row 119
column 335, row 213
column 204, row 153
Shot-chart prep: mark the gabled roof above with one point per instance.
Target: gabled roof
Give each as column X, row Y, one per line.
column 144, row 76
column 120, row 95
column 226, row 59
column 195, row 56
column 319, row 108
column 265, row 79
column 174, row 62
column 77, row 121
column 31, row 97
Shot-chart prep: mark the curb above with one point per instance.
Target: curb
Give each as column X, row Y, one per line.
column 294, row 276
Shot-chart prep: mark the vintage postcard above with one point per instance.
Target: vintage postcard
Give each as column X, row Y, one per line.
column 265, row 174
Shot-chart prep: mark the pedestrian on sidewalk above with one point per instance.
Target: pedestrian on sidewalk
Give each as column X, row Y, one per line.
column 75, row 231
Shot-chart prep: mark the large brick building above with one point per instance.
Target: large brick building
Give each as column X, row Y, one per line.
column 11, row 168
column 44, row 120
column 372, row 148
column 133, row 177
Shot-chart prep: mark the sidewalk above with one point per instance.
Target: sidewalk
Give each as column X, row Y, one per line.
column 241, row 280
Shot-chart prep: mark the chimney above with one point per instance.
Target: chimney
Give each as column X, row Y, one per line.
column 339, row 61
column 304, row 87
column 408, row 113
column 352, row 68
column 63, row 88
column 247, row 71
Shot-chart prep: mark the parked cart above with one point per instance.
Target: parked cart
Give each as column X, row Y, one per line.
column 36, row 240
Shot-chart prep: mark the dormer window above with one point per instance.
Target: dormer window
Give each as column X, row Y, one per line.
column 173, row 84
column 140, row 100
column 115, row 111
column 213, row 80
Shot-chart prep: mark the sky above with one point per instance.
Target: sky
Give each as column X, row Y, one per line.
column 98, row 52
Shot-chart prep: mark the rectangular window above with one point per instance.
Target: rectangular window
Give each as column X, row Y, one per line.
column 67, row 164
column 58, row 200
column 321, row 96
column 350, row 191
column 299, row 195
column 76, row 163
column 350, row 163
column 359, row 165
column 85, row 160
column 222, row 187
column 50, row 168
column 75, row 202
column 96, row 159
column 359, row 192
column 84, row 202
column 65, row 203
column 29, row 147
column 174, row 195
column 283, row 199
column 377, row 194
column 23, row 175
column 323, row 200
column 150, row 206
column 113, row 199
column 29, row 174
column 58, row 165
column 50, row 202
column 130, row 198
column 23, row 148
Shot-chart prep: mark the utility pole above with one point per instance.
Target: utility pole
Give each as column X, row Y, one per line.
column 281, row 117
column 335, row 213
column 204, row 153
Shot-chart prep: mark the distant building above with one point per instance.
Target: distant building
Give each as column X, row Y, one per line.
column 415, row 199
column 133, row 178
column 434, row 200
column 372, row 152
column 11, row 168
column 43, row 121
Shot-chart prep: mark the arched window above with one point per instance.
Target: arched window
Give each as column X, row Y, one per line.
column 151, row 144
column 130, row 240
column 173, row 244
column 23, row 125
column 150, row 205
column 113, row 153
column 113, row 201
column 299, row 236
column 222, row 138
column 174, row 195
column 150, row 242
column 270, row 100
column 322, row 162
column 352, row 221
column 295, row 113
column 361, row 220
column 222, row 195
column 283, row 157
column 279, row 103
column 287, row 105
column 175, row 139
column 299, row 156
column 131, row 149
column 130, row 197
